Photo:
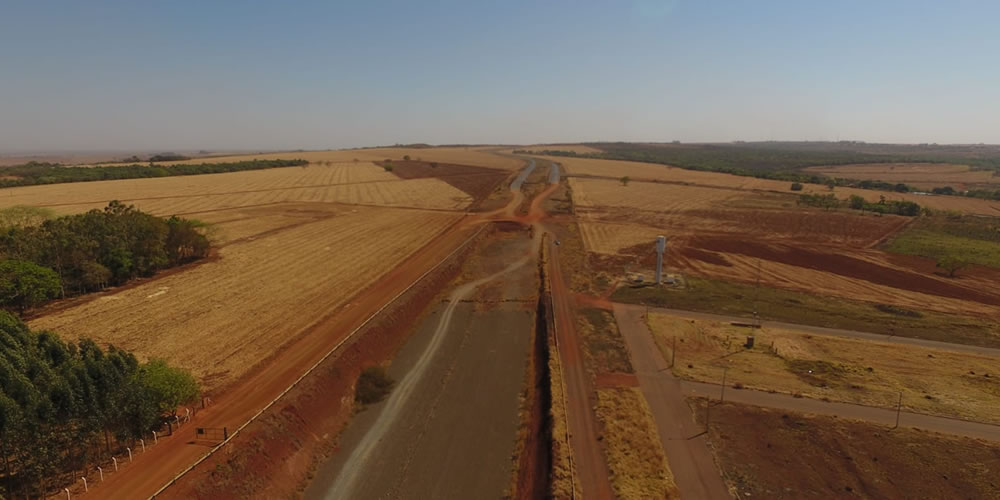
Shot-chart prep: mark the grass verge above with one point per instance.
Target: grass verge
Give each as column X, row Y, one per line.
column 636, row 460
column 605, row 346
column 973, row 239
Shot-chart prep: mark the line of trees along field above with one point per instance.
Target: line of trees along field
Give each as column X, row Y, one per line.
column 765, row 162
column 34, row 173
column 68, row 407
column 81, row 253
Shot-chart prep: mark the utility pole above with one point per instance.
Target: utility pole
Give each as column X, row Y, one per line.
column 899, row 409
column 756, row 297
column 673, row 352
column 722, row 397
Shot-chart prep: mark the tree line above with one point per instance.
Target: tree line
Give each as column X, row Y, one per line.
column 35, row 173
column 831, row 202
column 81, row 253
column 778, row 164
column 67, row 407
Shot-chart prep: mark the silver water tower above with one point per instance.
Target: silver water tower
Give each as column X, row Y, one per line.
column 661, row 246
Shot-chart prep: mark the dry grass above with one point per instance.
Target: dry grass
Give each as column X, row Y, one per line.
column 563, row 483
column 647, row 171
column 922, row 175
column 222, row 317
column 638, row 465
column 595, row 193
column 849, row 370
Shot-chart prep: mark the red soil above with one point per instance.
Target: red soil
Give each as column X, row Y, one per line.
column 478, row 182
column 845, row 265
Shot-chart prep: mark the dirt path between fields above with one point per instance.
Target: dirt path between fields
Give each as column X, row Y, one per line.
column 685, row 444
column 845, row 410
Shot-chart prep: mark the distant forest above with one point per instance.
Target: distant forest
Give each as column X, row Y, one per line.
column 34, row 173
column 74, row 254
column 785, row 161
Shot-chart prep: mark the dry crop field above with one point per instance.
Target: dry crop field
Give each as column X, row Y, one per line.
column 293, row 245
column 840, row 369
column 355, row 183
column 279, row 270
column 921, row 175
column 647, row 171
column 724, row 232
column 475, row 156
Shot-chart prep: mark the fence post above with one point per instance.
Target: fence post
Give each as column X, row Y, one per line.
column 129, row 454
column 115, row 460
column 85, row 489
column 722, row 397
column 101, row 472
column 67, row 493
column 154, row 437
column 143, row 443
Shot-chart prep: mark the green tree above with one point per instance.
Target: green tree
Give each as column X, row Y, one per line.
column 857, row 202
column 25, row 284
column 625, row 180
column 951, row 264
column 169, row 387
column 406, row 157
column 796, row 186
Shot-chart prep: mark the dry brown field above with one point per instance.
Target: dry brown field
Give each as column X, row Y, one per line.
column 724, row 233
column 780, row 455
column 921, row 175
column 646, row 171
column 866, row 372
column 279, row 270
column 472, row 155
column 576, row 148
column 357, row 183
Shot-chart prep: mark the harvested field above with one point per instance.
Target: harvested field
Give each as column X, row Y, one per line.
column 576, row 148
column 280, row 272
column 934, row 381
column 361, row 183
column 596, row 193
column 471, row 155
column 780, row 455
column 921, row 175
column 652, row 172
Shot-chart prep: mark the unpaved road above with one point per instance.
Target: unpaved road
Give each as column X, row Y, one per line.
column 363, row 473
column 685, row 444
column 845, row 410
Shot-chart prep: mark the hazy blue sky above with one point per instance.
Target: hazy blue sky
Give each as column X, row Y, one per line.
column 265, row 75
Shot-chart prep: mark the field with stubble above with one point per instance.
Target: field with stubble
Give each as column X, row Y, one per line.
column 279, row 270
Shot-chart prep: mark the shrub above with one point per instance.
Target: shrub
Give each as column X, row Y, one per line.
column 796, row 186
column 373, row 385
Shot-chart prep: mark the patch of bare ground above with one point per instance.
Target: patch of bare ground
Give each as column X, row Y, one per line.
column 636, row 459
column 776, row 454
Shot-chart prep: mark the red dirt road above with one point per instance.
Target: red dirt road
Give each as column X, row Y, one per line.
column 587, row 454
column 163, row 462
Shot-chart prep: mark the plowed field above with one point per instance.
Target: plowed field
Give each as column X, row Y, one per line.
column 280, row 270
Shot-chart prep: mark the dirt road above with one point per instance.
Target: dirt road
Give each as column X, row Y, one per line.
column 588, row 457
column 845, row 410
column 686, row 446
column 836, row 332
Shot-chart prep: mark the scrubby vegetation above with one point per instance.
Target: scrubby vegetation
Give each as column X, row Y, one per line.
column 81, row 253
column 883, row 206
column 69, row 406
column 34, row 173
column 374, row 384
column 969, row 239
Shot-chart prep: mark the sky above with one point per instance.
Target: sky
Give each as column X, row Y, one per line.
column 217, row 75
